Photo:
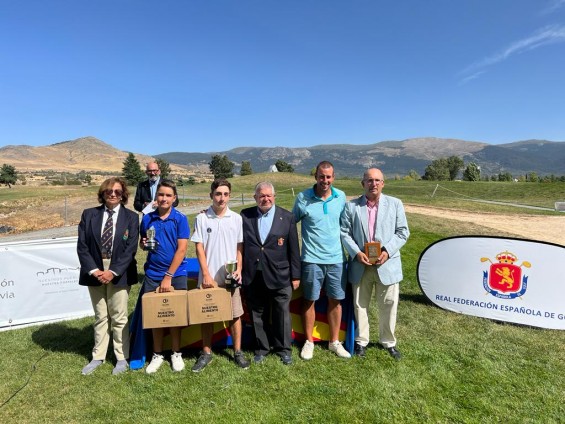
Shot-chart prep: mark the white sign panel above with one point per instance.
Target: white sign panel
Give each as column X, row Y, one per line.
column 39, row 282
column 504, row 279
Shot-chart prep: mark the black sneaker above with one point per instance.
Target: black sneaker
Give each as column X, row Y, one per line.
column 203, row 360
column 240, row 360
column 359, row 350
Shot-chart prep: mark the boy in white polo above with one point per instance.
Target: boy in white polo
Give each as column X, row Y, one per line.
column 218, row 235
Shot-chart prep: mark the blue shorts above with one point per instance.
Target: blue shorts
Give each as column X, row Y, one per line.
column 179, row 283
column 329, row 276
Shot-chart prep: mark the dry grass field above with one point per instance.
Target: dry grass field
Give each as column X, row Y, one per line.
column 25, row 209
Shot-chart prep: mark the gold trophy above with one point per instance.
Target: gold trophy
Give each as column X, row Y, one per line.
column 373, row 251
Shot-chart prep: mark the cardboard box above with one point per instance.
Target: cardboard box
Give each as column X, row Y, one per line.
column 165, row 309
column 209, row 305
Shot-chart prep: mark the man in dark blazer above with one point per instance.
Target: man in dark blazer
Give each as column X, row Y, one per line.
column 147, row 189
column 271, row 270
column 108, row 267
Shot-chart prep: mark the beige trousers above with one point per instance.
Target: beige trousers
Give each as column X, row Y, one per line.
column 110, row 317
column 387, row 304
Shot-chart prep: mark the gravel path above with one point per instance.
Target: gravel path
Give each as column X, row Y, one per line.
column 534, row 227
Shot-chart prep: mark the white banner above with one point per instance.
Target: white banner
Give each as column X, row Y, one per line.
column 504, row 279
column 39, row 282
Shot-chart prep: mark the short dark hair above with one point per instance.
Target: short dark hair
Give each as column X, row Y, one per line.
column 109, row 184
column 323, row 164
column 168, row 183
column 218, row 182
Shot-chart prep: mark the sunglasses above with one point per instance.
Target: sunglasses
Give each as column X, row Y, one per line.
column 117, row 192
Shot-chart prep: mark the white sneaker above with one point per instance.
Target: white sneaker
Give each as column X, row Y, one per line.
column 177, row 362
column 156, row 362
column 307, row 350
column 338, row 349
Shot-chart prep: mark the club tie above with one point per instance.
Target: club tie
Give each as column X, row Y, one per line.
column 108, row 236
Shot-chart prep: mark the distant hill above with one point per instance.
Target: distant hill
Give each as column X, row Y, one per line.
column 397, row 157
column 394, row 157
column 87, row 153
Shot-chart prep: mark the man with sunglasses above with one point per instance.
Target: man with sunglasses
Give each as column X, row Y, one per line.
column 147, row 189
column 375, row 217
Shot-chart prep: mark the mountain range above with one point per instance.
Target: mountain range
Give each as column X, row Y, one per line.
column 398, row 157
column 393, row 157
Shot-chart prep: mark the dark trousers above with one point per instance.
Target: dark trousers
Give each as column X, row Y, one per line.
column 270, row 316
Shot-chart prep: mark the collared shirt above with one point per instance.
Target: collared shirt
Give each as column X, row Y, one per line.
column 265, row 222
column 321, row 237
column 168, row 231
column 153, row 187
column 219, row 236
column 114, row 220
column 372, row 211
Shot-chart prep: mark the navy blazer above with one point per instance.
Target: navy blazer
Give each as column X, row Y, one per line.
column 89, row 246
column 279, row 255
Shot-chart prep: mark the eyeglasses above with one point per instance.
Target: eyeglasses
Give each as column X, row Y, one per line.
column 374, row 181
column 117, row 192
column 150, row 171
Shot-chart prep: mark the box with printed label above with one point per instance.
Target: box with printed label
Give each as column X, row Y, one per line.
column 165, row 309
column 209, row 305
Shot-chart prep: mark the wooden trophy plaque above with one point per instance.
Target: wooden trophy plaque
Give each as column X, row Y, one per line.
column 373, row 251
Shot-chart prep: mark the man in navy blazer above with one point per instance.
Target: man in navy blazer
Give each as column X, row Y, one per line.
column 375, row 217
column 146, row 191
column 271, row 271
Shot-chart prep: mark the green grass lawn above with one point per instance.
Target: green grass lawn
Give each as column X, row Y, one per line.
column 455, row 368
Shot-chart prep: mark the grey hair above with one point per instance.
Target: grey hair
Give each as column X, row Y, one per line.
column 367, row 171
column 263, row 184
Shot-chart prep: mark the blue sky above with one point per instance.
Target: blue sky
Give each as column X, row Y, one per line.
column 210, row 75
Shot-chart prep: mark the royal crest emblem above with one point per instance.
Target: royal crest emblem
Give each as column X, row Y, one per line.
column 504, row 279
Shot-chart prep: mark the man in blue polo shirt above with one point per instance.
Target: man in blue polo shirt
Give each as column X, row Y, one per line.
column 319, row 209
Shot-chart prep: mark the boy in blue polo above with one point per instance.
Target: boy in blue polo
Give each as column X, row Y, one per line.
column 166, row 266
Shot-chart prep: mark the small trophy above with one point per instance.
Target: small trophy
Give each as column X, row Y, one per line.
column 373, row 251
column 151, row 243
column 231, row 282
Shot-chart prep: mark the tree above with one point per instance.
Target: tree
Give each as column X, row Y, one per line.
column 413, row 175
column 191, row 180
column 8, row 175
column 221, row 166
column 454, row 164
column 438, row 170
column 505, row 176
column 131, row 170
column 472, row 172
column 246, row 168
column 533, row 177
column 164, row 167
column 283, row 166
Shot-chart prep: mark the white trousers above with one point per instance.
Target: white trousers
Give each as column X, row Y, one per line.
column 387, row 304
column 110, row 318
